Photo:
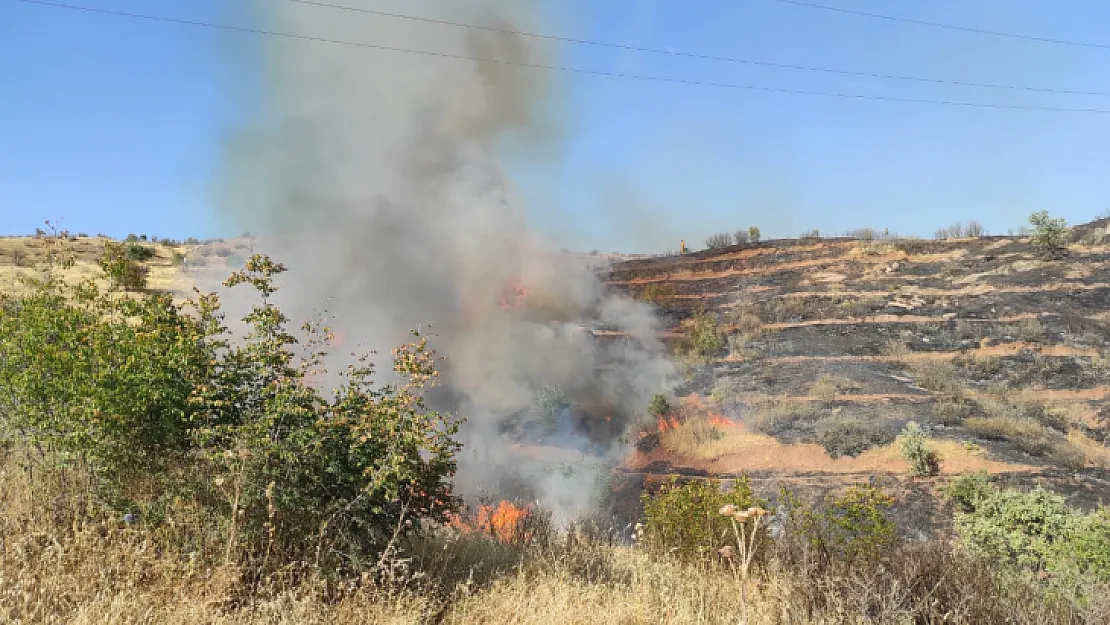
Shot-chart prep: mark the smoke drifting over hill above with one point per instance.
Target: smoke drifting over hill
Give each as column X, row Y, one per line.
column 376, row 177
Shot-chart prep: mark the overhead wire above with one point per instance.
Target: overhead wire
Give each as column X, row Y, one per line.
column 695, row 55
column 565, row 69
column 966, row 29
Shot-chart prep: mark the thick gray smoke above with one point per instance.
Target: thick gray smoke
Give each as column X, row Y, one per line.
column 376, row 177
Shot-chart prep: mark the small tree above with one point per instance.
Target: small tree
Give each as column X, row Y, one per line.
column 1050, row 234
column 753, row 234
column 741, row 237
column 659, row 405
column 705, row 337
column 923, row 461
column 123, row 271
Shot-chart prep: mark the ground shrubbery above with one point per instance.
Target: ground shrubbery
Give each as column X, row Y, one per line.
column 1034, row 530
column 118, row 406
column 923, row 461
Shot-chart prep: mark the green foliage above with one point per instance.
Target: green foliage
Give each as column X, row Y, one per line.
column 968, row 490
column 99, row 383
column 549, row 404
column 138, row 252
column 685, row 519
column 147, row 404
column 753, row 234
column 1049, row 234
column 659, row 405
column 705, row 337
column 657, row 294
column 1034, row 529
column 132, row 238
column 923, row 461
column 850, row 529
column 122, row 271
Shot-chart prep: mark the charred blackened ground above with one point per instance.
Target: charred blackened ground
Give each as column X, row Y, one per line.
column 834, row 345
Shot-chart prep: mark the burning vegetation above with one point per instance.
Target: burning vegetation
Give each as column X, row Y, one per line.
column 504, row 521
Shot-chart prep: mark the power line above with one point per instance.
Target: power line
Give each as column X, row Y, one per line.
column 699, row 56
column 966, row 29
column 571, row 70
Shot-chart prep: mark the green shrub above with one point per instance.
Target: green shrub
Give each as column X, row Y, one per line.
column 137, row 405
column 123, row 272
column 705, row 338
column 923, row 461
column 851, row 529
column 1035, row 529
column 685, row 519
column 1049, row 234
column 657, row 294
column 659, row 405
column 550, row 404
column 754, row 234
column 138, row 253
column 968, row 490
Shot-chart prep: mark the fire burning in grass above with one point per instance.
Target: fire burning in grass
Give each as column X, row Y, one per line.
column 514, row 296
column 721, row 421
column 666, row 423
column 505, row 522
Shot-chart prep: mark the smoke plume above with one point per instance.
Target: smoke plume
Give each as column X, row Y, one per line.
column 378, row 178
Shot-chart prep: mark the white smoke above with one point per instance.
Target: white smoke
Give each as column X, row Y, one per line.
column 376, row 177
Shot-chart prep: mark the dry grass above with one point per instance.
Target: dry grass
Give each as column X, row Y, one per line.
column 1095, row 454
column 109, row 575
column 1025, row 433
column 939, row 376
column 825, row 389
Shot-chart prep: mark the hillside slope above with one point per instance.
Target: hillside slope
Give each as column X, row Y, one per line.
column 834, row 345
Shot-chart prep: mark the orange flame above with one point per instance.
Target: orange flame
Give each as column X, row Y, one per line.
column 505, row 522
column 514, row 296
column 721, row 421
column 667, row 423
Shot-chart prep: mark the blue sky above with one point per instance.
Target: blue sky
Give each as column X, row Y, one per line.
column 114, row 124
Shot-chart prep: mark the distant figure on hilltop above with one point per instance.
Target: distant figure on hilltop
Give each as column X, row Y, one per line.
column 682, row 247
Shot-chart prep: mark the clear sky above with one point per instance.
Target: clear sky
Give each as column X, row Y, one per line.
column 115, row 124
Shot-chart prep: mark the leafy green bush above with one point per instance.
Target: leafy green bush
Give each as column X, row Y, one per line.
column 549, row 405
column 656, row 294
column 923, row 461
column 754, row 234
column 100, row 385
column 123, row 272
column 968, row 490
column 849, row 529
column 659, row 405
column 153, row 408
column 1034, row 529
column 1049, row 234
column 705, row 338
column 685, row 519
column 138, row 253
